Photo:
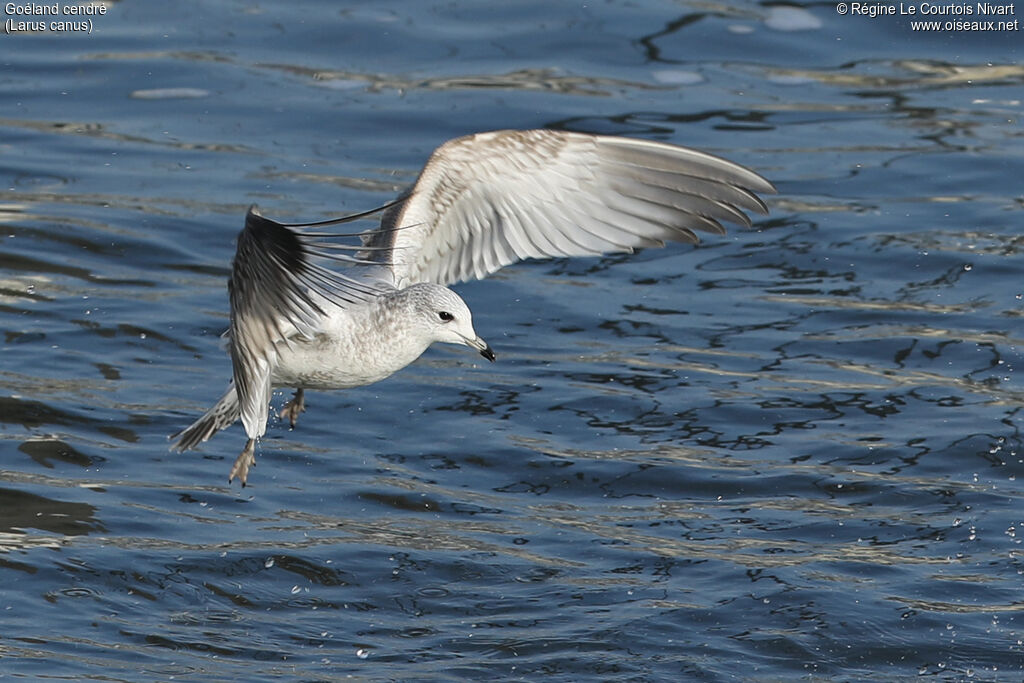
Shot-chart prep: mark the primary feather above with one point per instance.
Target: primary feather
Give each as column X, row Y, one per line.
column 488, row 200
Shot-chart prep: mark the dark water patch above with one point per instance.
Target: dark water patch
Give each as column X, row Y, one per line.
column 21, row 510
column 34, row 414
column 43, row 451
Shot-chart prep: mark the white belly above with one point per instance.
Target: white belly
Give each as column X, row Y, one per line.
column 338, row 359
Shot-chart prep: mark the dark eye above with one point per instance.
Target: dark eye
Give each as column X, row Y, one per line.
column 445, row 316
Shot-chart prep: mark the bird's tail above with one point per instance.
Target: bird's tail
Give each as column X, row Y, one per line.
column 222, row 415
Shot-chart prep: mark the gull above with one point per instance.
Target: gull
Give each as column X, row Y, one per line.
column 480, row 203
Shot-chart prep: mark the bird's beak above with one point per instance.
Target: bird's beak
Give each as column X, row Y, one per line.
column 483, row 347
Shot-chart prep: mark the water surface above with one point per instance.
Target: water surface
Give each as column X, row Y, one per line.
column 790, row 452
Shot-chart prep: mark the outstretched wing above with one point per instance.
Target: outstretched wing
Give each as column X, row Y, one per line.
column 482, row 202
column 488, row 200
column 277, row 291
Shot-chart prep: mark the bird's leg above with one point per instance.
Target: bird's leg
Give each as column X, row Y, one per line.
column 293, row 407
column 243, row 462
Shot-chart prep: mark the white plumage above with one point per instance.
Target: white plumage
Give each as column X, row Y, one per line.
column 481, row 202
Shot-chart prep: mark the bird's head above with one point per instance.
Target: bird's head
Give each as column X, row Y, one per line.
column 445, row 317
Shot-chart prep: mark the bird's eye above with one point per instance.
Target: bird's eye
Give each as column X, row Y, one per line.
column 445, row 316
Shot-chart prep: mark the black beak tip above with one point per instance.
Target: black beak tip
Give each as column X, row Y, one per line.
column 488, row 354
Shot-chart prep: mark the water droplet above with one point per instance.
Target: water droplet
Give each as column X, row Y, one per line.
column 269, row 562
column 362, row 654
column 967, row 266
column 295, row 589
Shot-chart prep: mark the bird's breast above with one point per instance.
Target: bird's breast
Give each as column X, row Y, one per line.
column 341, row 359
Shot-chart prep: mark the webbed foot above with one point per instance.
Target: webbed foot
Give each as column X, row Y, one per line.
column 293, row 407
column 243, row 462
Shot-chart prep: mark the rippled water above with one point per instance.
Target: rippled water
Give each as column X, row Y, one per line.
column 789, row 452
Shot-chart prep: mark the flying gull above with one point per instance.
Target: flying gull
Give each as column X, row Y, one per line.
column 481, row 202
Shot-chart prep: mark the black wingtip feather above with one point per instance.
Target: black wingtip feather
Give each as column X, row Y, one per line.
column 273, row 238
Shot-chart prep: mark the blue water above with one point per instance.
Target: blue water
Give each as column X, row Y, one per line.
column 789, row 452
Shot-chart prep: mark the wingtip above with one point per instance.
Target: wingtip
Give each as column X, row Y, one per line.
column 767, row 187
column 176, row 445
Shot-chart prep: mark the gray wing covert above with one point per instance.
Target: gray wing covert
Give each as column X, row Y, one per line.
column 488, row 200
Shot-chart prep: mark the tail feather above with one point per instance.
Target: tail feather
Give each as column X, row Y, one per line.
column 222, row 415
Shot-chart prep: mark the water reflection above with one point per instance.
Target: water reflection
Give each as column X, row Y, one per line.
column 23, row 514
column 45, row 451
column 544, row 80
column 911, row 75
column 97, row 130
